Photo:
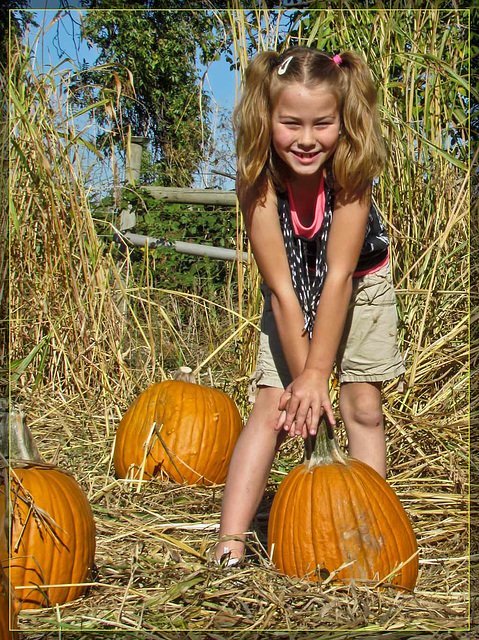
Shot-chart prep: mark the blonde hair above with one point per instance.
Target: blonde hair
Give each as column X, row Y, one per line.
column 360, row 154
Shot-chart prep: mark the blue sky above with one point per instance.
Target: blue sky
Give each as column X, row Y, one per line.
column 65, row 37
column 61, row 41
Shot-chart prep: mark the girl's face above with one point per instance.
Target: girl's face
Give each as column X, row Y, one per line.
column 305, row 129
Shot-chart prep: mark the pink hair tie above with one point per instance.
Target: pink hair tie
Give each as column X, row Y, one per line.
column 337, row 59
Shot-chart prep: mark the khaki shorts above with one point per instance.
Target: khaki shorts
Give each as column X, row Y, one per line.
column 368, row 351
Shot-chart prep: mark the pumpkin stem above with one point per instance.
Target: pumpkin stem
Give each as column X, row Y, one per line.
column 184, row 374
column 323, row 448
column 16, row 440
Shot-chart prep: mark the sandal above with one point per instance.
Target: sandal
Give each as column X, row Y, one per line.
column 227, row 561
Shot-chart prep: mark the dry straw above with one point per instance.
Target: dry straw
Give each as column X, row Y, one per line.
column 78, row 360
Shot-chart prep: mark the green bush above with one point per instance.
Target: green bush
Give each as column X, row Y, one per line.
column 201, row 224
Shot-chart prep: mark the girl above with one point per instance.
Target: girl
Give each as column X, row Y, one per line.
column 308, row 148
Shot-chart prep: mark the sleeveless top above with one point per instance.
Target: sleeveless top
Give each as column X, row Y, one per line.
column 307, row 258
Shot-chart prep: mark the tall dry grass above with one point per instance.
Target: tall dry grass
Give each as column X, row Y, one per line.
column 65, row 327
column 4, row 262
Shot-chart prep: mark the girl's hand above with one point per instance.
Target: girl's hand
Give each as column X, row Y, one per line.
column 303, row 403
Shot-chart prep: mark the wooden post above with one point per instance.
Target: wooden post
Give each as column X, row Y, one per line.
column 133, row 159
column 127, row 217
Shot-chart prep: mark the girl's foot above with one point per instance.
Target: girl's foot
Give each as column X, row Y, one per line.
column 229, row 553
column 227, row 559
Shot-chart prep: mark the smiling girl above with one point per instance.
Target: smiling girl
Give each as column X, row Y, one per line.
column 308, row 148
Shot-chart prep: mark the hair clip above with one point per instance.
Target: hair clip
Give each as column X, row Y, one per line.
column 337, row 59
column 284, row 65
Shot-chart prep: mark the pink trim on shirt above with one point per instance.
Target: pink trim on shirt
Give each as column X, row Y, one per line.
column 298, row 226
column 309, row 232
column 358, row 274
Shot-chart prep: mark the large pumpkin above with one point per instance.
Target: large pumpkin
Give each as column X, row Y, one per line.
column 52, row 531
column 179, row 431
column 332, row 511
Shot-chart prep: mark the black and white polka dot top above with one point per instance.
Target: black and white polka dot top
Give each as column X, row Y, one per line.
column 307, row 258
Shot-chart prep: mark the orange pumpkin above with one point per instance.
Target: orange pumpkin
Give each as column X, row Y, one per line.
column 52, row 536
column 333, row 511
column 8, row 613
column 52, row 531
column 179, row 431
column 8, row 603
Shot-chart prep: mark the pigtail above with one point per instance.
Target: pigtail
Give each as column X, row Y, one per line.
column 360, row 155
column 252, row 122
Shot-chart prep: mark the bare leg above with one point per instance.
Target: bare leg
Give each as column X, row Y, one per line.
column 249, row 470
column 361, row 409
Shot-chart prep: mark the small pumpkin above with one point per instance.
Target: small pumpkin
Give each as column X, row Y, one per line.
column 178, row 430
column 331, row 511
column 52, row 530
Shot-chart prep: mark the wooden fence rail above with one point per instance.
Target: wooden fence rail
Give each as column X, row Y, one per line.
column 173, row 194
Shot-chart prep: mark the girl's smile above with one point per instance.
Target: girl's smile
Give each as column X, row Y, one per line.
column 305, row 128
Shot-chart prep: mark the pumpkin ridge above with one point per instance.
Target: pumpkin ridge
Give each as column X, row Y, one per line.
column 81, row 535
column 18, row 567
column 294, row 496
column 320, row 545
column 221, row 428
column 225, row 410
column 394, row 505
column 333, row 519
column 159, row 453
column 306, row 549
column 285, row 500
column 391, row 538
column 314, row 515
column 71, row 531
column 43, row 568
column 180, row 454
column 198, row 444
column 56, row 569
column 209, row 407
column 151, row 416
column 230, row 410
column 368, row 503
column 90, row 536
column 218, row 407
column 300, row 560
column 190, row 465
column 296, row 491
column 87, row 537
column 170, row 440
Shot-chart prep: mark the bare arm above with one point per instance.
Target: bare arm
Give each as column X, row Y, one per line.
column 264, row 233
column 307, row 397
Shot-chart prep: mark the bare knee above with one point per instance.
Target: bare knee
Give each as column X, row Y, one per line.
column 367, row 414
column 265, row 414
column 361, row 406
